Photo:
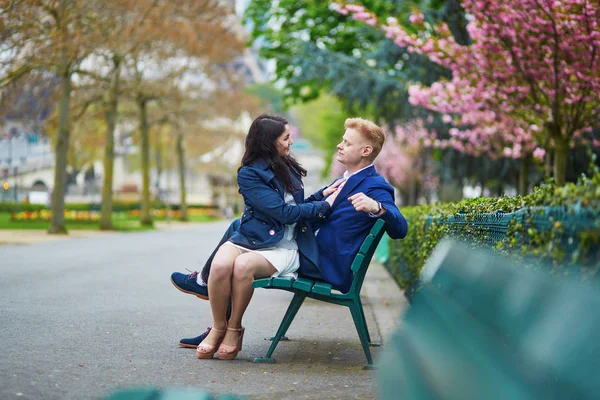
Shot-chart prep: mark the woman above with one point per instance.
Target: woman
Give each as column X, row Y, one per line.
column 270, row 182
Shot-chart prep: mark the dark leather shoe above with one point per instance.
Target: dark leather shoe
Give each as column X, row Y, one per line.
column 188, row 284
column 192, row 343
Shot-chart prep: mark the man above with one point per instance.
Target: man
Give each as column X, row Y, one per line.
column 362, row 197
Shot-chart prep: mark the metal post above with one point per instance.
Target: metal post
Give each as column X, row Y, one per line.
column 16, row 188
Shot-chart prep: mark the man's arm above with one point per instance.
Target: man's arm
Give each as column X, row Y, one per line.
column 380, row 204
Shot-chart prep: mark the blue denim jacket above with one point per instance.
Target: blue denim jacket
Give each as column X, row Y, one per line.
column 266, row 213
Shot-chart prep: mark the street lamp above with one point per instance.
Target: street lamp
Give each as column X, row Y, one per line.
column 16, row 187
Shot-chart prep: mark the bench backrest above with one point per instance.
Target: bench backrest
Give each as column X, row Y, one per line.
column 517, row 333
column 365, row 253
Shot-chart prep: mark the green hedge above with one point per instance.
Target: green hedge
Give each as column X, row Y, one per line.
column 118, row 206
column 557, row 226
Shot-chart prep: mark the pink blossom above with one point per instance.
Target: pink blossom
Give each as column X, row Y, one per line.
column 539, row 154
column 362, row 16
column 354, row 8
column 416, row 18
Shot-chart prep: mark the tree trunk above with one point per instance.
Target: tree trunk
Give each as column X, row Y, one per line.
column 524, row 175
column 500, row 189
column 548, row 164
column 109, row 149
column 159, row 163
column 146, row 218
column 560, row 160
column 57, row 223
column 412, row 193
column 183, row 212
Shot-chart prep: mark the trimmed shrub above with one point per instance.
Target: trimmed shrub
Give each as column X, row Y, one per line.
column 557, row 226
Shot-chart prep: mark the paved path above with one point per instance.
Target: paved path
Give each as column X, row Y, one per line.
column 81, row 317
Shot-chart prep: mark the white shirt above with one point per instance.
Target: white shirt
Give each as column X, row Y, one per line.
column 346, row 175
column 288, row 241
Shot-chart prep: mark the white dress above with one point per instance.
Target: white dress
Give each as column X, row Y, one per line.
column 284, row 256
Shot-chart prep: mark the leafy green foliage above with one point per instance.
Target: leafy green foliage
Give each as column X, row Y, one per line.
column 554, row 225
column 319, row 50
column 269, row 95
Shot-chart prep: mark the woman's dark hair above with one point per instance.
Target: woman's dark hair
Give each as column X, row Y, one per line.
column 261, row 143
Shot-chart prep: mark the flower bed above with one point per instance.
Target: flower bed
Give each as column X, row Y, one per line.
column 164, row 213
column 46, row 216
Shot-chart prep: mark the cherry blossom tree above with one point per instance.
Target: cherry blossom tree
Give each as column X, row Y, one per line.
column 529, row 82
column 405, row 160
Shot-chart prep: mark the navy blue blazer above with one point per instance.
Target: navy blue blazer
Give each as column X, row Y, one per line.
column 340, row 237
column 266, row 213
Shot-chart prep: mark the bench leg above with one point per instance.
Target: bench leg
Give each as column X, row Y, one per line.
column 361, row 328
column 362, row 312
column 291, row 312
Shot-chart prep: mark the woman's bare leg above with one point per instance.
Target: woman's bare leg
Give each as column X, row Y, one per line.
column 246, row 268
column 219, row 289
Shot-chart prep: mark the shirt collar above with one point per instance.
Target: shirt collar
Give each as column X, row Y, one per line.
column 346, row 175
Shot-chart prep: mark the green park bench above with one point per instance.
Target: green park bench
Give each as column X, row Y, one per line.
column 482, row 327
column 151, row 393
column 303, row 288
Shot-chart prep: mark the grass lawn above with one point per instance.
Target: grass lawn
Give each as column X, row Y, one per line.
column 121, row 222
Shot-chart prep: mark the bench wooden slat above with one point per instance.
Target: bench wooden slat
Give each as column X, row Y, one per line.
column 261, row 283
column 303, row 284
column 282, row 282
column 358, row 262
column 167, row 394
column 322, row 288
column 366, row 245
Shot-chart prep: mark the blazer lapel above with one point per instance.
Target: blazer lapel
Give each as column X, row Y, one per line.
column 352, row 183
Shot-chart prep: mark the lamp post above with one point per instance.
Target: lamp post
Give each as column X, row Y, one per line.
column 5, row 185
column 15, row 176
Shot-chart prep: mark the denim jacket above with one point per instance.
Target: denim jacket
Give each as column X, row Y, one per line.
column 266, row 213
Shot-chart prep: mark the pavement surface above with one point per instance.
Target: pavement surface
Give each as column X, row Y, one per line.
column 84, row 315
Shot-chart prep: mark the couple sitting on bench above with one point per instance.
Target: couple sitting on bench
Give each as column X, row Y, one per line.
column 283, row 234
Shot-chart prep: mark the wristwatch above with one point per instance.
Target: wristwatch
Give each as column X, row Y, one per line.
column 375, row 214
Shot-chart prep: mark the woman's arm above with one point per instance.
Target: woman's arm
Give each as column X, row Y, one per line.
column 325, row 191
column 265, row 199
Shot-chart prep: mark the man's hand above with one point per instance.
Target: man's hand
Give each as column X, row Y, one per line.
column 362, row 202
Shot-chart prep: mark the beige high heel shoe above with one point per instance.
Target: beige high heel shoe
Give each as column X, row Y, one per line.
column 228, row 352
column 207, row 351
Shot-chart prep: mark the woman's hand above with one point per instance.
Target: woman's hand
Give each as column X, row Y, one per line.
column 333, row 188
